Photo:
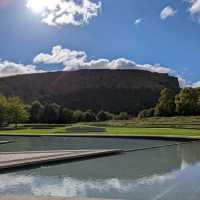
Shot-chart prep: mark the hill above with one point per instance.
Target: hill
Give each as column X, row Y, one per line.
column 111, row 90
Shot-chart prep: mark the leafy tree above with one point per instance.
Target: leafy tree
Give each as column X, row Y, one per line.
column 146, row 113
column 65, row 115
column 3, row 110
column 17, row 112
column 36, row 111
column 187, row 102
column 89, row 116
column 104, row 116
column 166, row 103
column 78, row 116
column 51, row 113
column 198, row 94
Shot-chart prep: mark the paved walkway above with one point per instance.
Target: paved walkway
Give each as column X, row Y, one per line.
column 5, row 142
column 43, row 198
column 12, row 160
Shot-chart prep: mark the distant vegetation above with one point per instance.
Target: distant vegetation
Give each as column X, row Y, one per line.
column 185, row 103
column 14, row 111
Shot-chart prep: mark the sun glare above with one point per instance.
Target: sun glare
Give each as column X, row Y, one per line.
column 39, row 6
column 36, row 6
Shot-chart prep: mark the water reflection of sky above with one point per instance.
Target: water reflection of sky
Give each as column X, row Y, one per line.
column 182, row 184
column 171, row 173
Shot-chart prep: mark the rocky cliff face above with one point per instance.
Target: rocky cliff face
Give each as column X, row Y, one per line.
column 112, row 90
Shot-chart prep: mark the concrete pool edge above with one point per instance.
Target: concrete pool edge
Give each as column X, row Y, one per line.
column 46, row 198
column 120, row 136
column 60, row 156
column 5, row 142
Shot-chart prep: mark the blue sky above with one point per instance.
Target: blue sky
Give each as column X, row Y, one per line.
column 132, row 30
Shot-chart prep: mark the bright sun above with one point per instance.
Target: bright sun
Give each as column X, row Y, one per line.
column 36, row 6
column 39, row 6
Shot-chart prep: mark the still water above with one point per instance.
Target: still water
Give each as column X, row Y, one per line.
column 170, row 173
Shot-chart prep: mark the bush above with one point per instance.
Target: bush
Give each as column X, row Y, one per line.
column 146, row 113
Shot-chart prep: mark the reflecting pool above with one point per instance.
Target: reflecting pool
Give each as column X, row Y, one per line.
column 169, row 173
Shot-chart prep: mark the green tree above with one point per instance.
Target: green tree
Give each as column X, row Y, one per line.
column 198, row 94
column 17, row 112
column 51, row 113
column 36, row 111
column 146, row 113
column 166, row 103
column 3, row 110
column 66, row 115
column 104, row 116
column 78, row 116
column 89, row 116
column 187, row 102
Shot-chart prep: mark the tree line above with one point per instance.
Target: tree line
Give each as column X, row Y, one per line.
column 14, row 111
column 185, row 103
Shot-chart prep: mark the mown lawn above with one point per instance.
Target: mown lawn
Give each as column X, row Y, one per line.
column 154, row 131
column 114, row 130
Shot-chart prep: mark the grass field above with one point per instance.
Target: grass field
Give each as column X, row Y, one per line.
column 176, row 126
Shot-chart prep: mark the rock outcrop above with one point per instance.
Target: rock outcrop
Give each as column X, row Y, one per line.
column 111, row 90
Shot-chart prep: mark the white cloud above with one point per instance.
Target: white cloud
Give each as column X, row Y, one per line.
column 196, row 85
column 167, row 12
column 138, row 21
column 75, row 60
column 194, row 9
column 8, row 68
column 182, row 81
column 64, row 12
column 194, row 6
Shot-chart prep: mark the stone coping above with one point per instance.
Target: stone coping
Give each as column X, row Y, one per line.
column 122, row 136
column 44, row 198
column 15, row 160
